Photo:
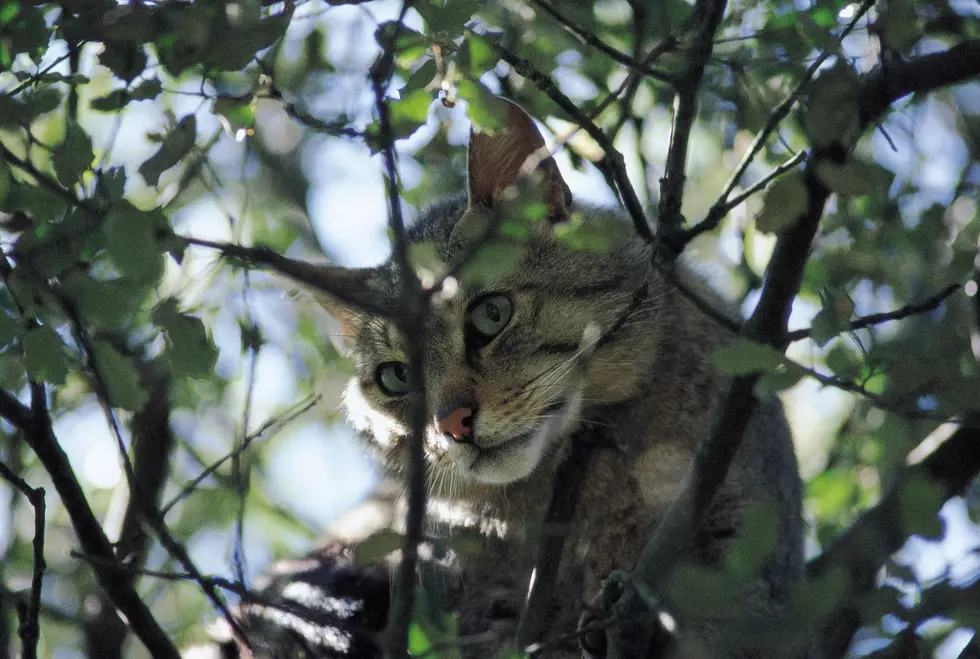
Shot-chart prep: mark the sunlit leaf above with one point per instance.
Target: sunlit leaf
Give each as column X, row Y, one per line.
column 783, row 204
column 377, row 547
column 190, row 351
column 744, row 356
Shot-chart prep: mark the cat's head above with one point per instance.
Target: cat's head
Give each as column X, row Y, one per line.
column 520, row 347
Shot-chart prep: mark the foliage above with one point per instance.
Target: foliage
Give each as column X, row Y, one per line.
column 126, row 128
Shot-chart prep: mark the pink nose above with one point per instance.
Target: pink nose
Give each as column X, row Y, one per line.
column 457, row 423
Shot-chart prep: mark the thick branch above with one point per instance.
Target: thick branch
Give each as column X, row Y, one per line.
column 109, row 573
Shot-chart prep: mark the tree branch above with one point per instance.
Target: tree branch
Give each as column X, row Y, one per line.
column 709, row 13
column 29, row 628
column 862, row 322
column 615, row 159
column 39, row 435
column 586, row 37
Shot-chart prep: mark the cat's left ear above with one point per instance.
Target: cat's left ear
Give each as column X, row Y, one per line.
column 504, row 158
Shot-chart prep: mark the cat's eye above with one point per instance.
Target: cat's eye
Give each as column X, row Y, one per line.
column 393, row 378
column 489, row 315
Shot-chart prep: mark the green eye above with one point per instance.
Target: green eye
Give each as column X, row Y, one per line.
column 393, row 378
column 490, row 315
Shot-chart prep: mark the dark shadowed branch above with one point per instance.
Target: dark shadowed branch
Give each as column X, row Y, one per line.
column 870, row 320
column 29, row 628
column 410, row 322
column 35, row 423
column 708, row 14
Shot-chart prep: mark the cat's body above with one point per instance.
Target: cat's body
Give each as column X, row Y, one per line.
column 564, row 350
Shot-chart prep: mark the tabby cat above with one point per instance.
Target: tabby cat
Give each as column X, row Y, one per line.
column 562, row 346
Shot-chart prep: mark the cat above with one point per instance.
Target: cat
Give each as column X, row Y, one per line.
column 566, row 340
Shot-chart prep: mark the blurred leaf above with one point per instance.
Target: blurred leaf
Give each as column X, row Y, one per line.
column 377, row 547
column 784, row 376
column 104, row 304
column 421, row 78
column 8, row 328
column 121, row 379
column 73, row 156
column 23, row 30
column 744, row 356
column 131, row 243
column 493, row 261
column 126, row 61
column 418, row 642
column 147, row 90
column 901, row 28
column 235, row 50
column 832, row 115
column 449, row 16
column 843, row 363
column 784, row 202
column 44, row 355
column 111, row 102
column 855, row 177
column 235, row 114
column 476, row 56
column 834, row 317
column 482, row 106
column 920, row 501
column 190, row 351
column 176, row 145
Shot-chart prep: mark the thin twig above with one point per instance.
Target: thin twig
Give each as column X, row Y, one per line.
column 710, row 13
column 929, row 304
column 721, row 206
column 615, row 159
column 275, row 423
column 29, row 627
column 587, row 37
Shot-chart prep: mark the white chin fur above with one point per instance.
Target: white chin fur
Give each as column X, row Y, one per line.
column 518, row 459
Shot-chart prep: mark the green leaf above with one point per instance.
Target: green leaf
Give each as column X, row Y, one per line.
column 73, row 156
column 126, row 61
column 131, row 244
column 236, row 49
column 482, row 106
column 44, row 355
column 744, row 356
column 190, row 351
column 494, row 260
column 784, row 376
column 920, row 500
column 832, row 115
column 843, row 363
column 902, row 28
column 477, row 56
column 448, row 16
column 8, row 328
column 147, row 90
column 23, row 30
column 111, row 102
column 176, row 145
column 236, row 114
column 377, row 547
column 119, row 375
column 855, row 178
column 784, row 203
column 421, row 78
column 833, row 318
column 102, row 304
column 418, row 642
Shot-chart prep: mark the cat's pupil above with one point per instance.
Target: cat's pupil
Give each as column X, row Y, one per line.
column 492, row 311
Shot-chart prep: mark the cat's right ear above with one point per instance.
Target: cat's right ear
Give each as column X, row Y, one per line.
column 502, row 159
column 349, row 284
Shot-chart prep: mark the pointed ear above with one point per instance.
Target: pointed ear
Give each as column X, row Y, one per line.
column 500, row 159
column 346, row 284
